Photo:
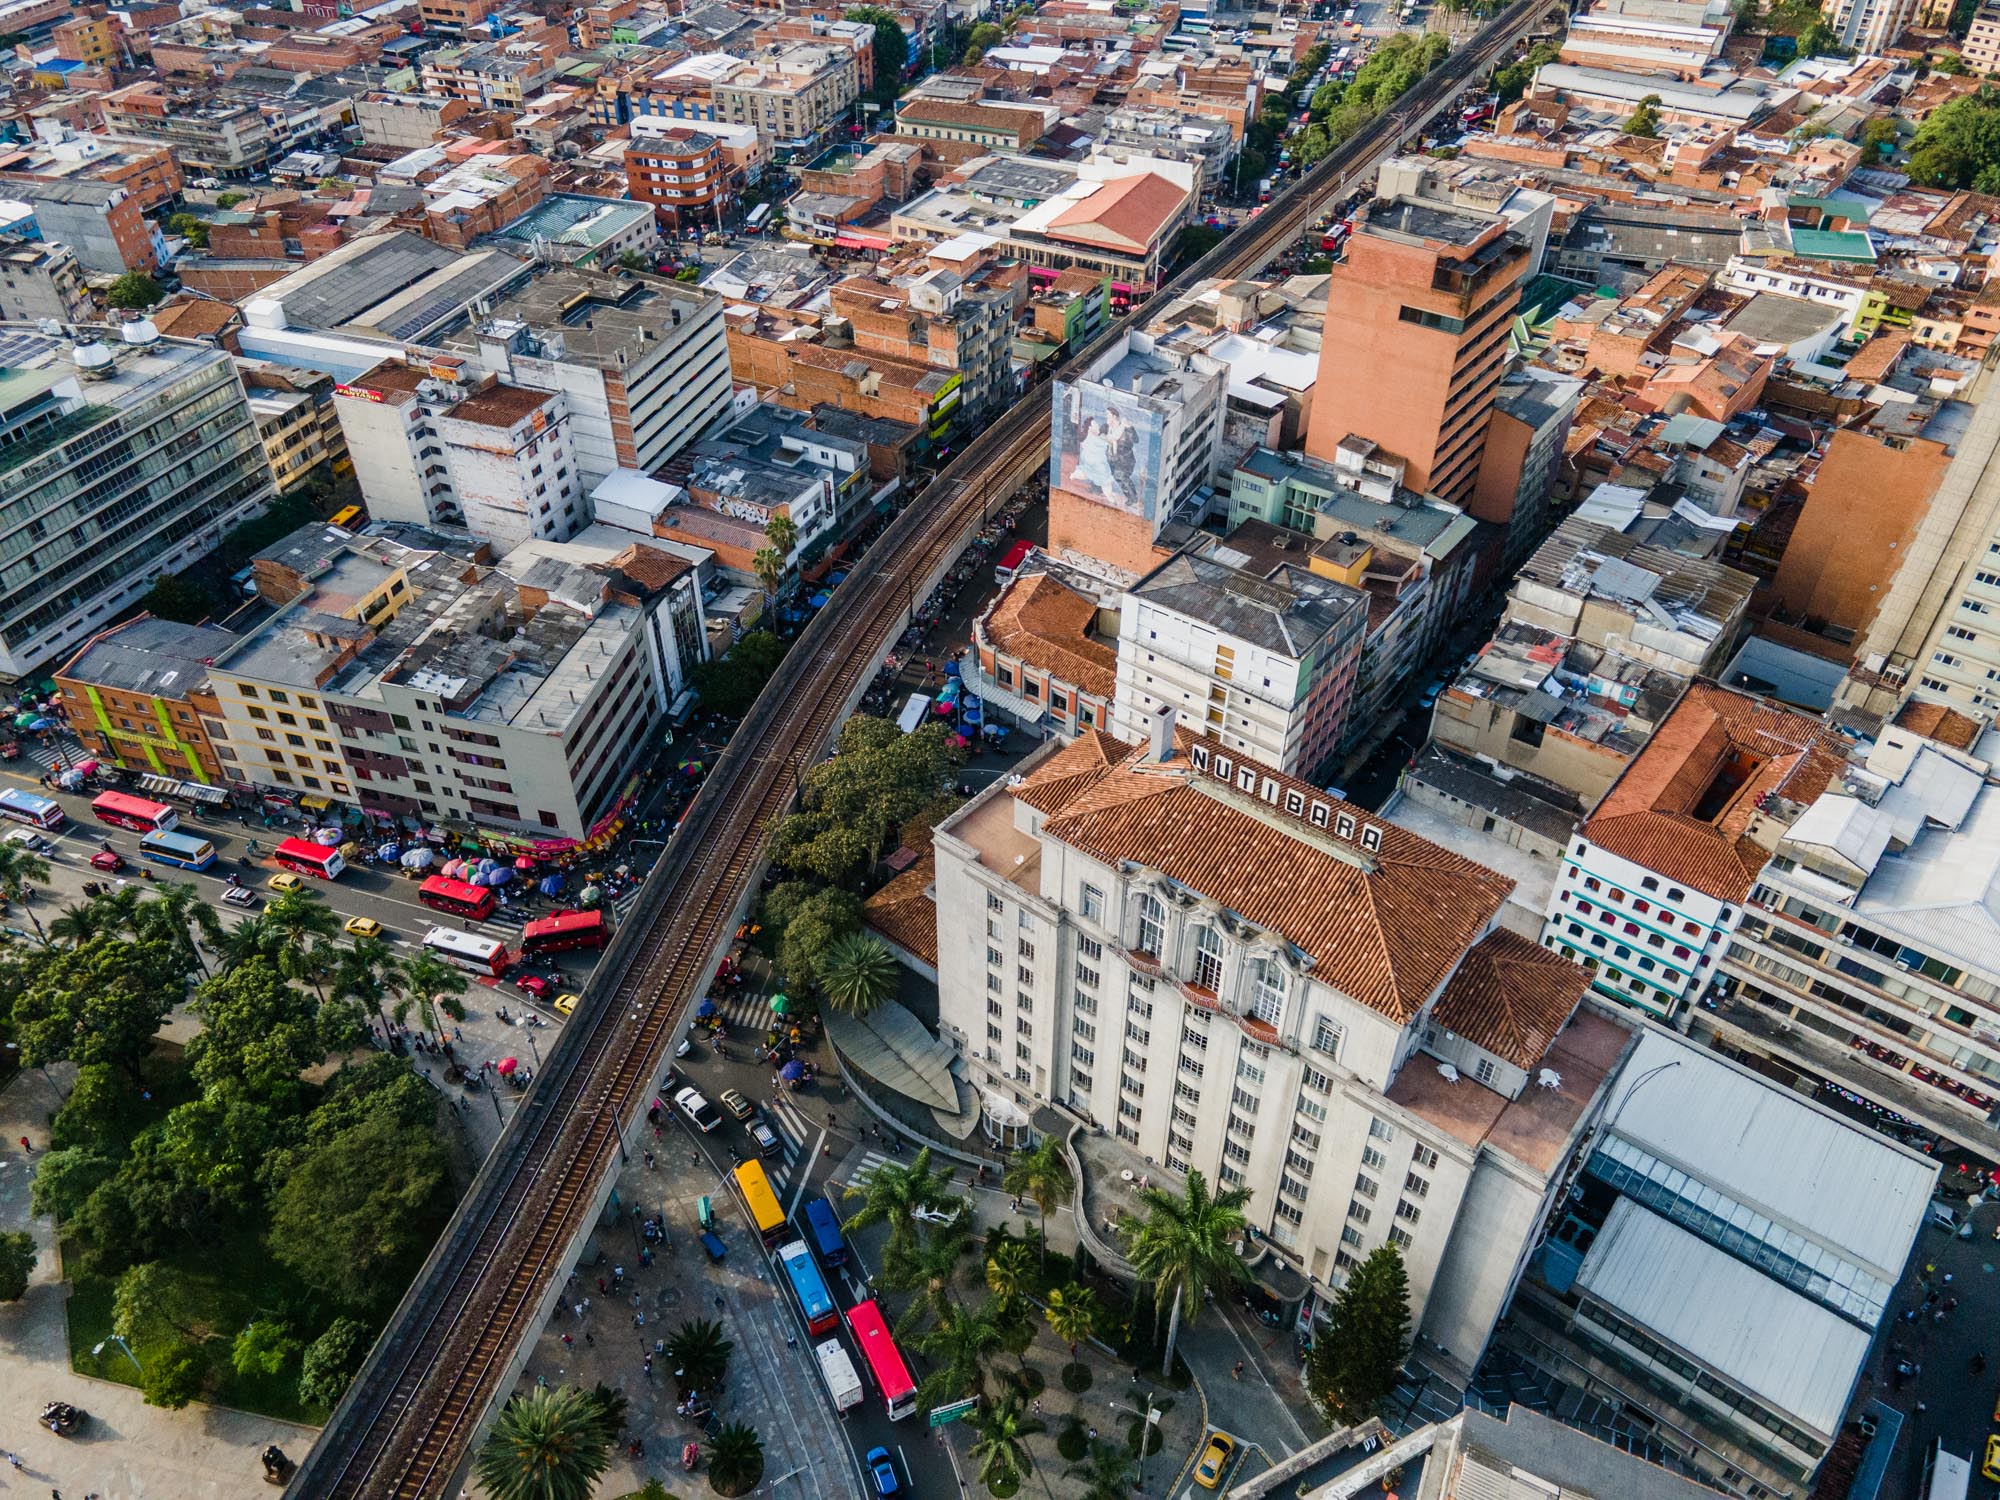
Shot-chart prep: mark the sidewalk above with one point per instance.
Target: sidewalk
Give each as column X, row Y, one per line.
column 1269, row 1405
column 128, row 1450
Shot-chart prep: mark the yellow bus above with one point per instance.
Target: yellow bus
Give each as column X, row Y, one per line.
column 755, row 1189
column 347, row 516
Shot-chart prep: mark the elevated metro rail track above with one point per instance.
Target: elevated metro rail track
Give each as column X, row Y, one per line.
column 456, row 1342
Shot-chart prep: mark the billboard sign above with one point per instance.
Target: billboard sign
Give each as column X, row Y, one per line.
column 1108, row 446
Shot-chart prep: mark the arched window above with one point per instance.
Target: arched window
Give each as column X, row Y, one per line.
column 1267, row 990
column 1152, row 925
column 1208, row 958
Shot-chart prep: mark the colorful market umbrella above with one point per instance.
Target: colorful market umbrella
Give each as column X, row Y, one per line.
column 778, row 1004
column 418, row 859
column 24, row 721
column 590, row 895
column 951, row 669
column 704, row 1010
column 506, row 1066
column 524, row 862
column 792, row 1071
column 552, row 885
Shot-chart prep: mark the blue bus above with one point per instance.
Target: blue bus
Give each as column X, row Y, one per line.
column 183, row 849
column 808, row 1287
column 825, row 1227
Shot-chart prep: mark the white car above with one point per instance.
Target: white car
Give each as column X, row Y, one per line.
column 27, row 838
column 946, row 1212
column 700, row 1113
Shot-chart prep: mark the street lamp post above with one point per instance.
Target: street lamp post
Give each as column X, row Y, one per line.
column 1149, row 1417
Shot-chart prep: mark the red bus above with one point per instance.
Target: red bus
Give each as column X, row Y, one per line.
column 304, row 857
column 473, row 902
column 122, row 811
column 565, row 930
column 884, row 1360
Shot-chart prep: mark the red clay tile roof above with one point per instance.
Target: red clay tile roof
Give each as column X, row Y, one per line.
column 1934, row 721
column 1046, row 624
column 1130, row 211
column 905, row 912
column 1384, row 926
column 1511, row 996
column 1650, row 814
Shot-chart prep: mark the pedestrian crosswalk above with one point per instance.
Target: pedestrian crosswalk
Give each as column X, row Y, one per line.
column 795, row 1134
column 747, row 1009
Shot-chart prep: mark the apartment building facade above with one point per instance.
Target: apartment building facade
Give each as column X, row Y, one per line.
column 1654, row 884
column 135, row 696
column 682, row 173
column 795, row 96
column 1416, row 340
column 119, row 461
column 1146, row 936
column 494, row 458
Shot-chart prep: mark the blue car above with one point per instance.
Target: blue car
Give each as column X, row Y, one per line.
column 883, row 1471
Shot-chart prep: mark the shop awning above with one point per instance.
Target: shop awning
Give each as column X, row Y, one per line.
column 849, row 239
column 187, row 791
column 316, row 804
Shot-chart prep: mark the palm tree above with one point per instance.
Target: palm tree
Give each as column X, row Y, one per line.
column 21, row 870
column 699, row 1354
column 1072, row 1313
column 1185, row 1245
column 735, row 1459
column 769, row 566
column 1041, row 1174
column 892, row 1194
column 548, row 1444
column 303, row 926
column 962, row 1343
column 857, row 973
column 931, row 1269
column 1108, row 1474
column 81, row 922
column 246, row 940
column 178, row 913
column 432, row 985
column 1009, row 1274
column 362, row 975
column 782, row 533
column 1001, row 1451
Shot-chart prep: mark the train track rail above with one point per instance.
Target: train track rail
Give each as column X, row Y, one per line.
column 408, row 1421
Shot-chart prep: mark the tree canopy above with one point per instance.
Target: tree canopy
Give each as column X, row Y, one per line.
column 1958, row 146
column 892, row 48
column 1645, row 119
column 100, row 1002
column 852, row 803
column 1354, row 1364
column 135, row 289
column 729, row 685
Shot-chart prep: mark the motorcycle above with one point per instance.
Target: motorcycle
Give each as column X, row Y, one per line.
column 690, row 1455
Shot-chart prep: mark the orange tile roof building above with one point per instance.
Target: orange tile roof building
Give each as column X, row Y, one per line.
column 1654, row 884
column 1040, row 645
column 1238, row 973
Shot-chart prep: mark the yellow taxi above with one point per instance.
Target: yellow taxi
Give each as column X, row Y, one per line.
column 363, row 927
column 1991, row 1468
column 1214, row 1460
column 286, row 881
column 565, row 1004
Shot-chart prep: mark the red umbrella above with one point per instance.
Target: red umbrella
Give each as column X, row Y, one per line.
column 506, row 1065
column 523, row 862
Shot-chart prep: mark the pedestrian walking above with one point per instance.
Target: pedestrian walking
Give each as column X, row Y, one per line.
column 14, row 1459
column 30, row 1150
column 588, row 1341
column 1237, row 1372
column 568, row 1342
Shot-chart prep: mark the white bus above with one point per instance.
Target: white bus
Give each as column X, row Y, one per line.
column 482, row 955
column 759, row 216
column 1946, row 1475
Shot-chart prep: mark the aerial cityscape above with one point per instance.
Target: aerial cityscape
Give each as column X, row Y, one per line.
column 1099, row 749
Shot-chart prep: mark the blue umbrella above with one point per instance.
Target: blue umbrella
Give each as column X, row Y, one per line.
column 704, row 1010
column 552, row 885
column 818, row 601
column 951, row 669
column 42, row 724
column 970, row 718
column 792, row 1071
column 835, row 580
column 498, row 875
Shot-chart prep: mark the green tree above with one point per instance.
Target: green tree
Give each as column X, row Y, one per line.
column 1353, row 1365
column 158, row 1300
column 21, row 872
column 698, row 1354
column 1041, row 1174
column 983, row 36
column 100, row 1002
column 1818, row 40
column 1073, row 1313
column 735, row 1460
column 1511, row 81
column 1010, row 1275
column 174, row 1378
column 263, row 1348
column 1878, row 133
column 892, row 49
column 98, row 1114
column 228, row 200
column 257, row 1029
column 812, row 927
column 931, row 1267
column 433, row 987
column 173, row 597
column 17, row 1264
column 851, row 804
column 782, row 532
column 1645, row 119
column 962, row 1344
column 892, row 1193
column 331, row 1361
column 1108, row 1473
column 134, row 290
column 189, row 228
column 66, row 1178
column 1958, row 142
column 363, row 976
column 1000, row 1453
column 1185, row 1246
column 1944, row 62
column 178, row 914
column 81, row 921
column 546, row 1444
column 356, row 1213
column 730, row 685
column 857, row 973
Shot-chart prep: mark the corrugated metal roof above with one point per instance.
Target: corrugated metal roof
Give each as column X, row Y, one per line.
column 1798, row 1165
column 1792, row 1353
